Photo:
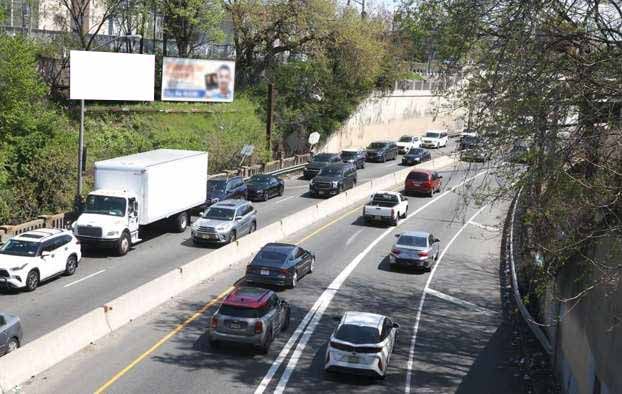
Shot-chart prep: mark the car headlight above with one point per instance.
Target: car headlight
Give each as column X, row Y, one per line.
column 334, row 183
column 112, row 233
column 19, row 268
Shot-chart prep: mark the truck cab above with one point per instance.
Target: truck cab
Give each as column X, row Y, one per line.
column 110, row 218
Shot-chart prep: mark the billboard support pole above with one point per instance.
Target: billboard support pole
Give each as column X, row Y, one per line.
column 270, row 120
column 80, row 157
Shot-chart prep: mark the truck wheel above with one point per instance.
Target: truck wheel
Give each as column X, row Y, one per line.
column 123, row 244
column 180, row 223
column 32, row 280
column 394, row 221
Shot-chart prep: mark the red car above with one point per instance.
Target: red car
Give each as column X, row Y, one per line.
column 423, row 181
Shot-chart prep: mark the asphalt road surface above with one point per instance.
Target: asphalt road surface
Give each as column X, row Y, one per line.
column 450, row 339
column 101, row 277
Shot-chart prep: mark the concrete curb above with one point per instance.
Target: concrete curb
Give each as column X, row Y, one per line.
column 50, row 349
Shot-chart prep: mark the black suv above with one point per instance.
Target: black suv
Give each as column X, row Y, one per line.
column 354, row 156
column 333, row 179
column 382, row 151
column 219, row 189
column 318, row 162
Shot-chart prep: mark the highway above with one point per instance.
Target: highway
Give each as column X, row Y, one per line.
column 101, row 277
column 451, row 337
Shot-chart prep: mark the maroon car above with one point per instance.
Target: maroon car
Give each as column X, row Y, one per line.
column 423, row 181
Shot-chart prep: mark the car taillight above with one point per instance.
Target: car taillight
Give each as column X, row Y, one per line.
column 283, row 271
column 77, row 242
column 258, row 327
column 214, row 322
column 423, row 254
column 396, row 251
column 428, row 184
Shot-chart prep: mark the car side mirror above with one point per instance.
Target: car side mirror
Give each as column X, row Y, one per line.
column 440, row 177
column 436, row 240
column 397, row 235
column 336, row 318
column 45, row 253
column 238, row 218
column 201, row 213
column 395, row 325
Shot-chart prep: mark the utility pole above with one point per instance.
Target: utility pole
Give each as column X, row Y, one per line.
column 270, row 115
column 80, row 158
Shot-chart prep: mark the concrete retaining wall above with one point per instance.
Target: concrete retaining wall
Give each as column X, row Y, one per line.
column 46, row 351
column 389, row 117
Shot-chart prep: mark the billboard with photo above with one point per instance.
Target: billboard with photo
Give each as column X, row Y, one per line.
column 197, row 80
column 111, row 76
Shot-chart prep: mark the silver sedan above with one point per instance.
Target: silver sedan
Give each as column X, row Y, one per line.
column 416, row 249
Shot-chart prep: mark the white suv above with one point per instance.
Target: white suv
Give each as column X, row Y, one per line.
column 408, row 142
column 434, row 139
column 38, row 255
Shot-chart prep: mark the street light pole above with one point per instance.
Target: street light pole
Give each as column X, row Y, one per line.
column 80, row 157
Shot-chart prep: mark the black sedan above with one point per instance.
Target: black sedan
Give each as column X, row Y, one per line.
column 263, row 187
column 280, row 264
column 416, row 156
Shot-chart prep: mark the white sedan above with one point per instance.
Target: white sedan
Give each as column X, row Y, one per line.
column 362, row 344
column 35, row 256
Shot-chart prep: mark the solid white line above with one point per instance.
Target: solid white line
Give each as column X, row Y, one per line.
column 316, row 312
column 458, row 301
column 411, row 353
column 284, row 199
column 353, row 236
column 297, row 187
column 85, row 278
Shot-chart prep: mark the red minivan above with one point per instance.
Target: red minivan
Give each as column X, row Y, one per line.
column 423, row 181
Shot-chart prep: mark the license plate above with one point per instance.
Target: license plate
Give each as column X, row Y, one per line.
column 353, row 359
column 235, row 325
column 378, row 217
column 208, row 236
column 264, row 272
column 322, row 192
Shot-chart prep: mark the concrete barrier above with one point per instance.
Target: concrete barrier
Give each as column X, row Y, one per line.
column 44, row 352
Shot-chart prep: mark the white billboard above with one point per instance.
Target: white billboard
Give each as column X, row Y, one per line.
column 197, row 80
column 111, row 76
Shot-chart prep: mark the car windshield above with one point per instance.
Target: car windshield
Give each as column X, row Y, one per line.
column 418, row 176
column 376, row 145
column 357, row 334
column 238, row 311
column 411, row 240
column 105, row 205
column 322, row 157
column 20, row 248
column 430, row 134
column 405, row 139
column 270, row 258
column 259, row 179
column 416, row 151
column 219, row 213
column 348, row 154
column 469, row 139
column 216, row 186
column 330, row 171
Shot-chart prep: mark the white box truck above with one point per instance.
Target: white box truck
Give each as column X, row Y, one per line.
column 137, row 190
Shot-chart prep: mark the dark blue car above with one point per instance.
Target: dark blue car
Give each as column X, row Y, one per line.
column 220, row 189
column 280, row 264
column 416, row 156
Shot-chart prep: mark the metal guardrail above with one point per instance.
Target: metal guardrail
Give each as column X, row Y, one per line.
column 535, row 329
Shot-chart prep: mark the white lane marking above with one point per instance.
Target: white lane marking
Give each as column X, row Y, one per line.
column 83, row 279
column 458, row 301
column 411, row 352
column 485, row 226
column 284, row 199
column 329, row 292
column 297, row 187
column 353, row 236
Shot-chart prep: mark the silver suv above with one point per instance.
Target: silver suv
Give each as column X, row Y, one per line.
column 224, row 222
column 249, row 315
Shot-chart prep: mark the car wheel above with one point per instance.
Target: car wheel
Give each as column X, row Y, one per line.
column 32, row 280
column 281, row 190
column 312, row 265
column 265, row 348
column 123, row 244
column 196, row 241
column 285, row 325
column 384, row 159
column 266, row 196
column 12, row 346
column 294, row 281
column 394, row 221
column 232, row 236
column 340, row 189
column 213, row 344
column 253, row 227
column 71, row 266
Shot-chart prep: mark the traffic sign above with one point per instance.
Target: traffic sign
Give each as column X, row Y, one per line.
column 314, row 138
column 247, row 150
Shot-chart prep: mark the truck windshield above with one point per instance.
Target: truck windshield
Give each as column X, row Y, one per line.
column 219, row 214
column 105, row 205
column 330, row 171
column 20, row 248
